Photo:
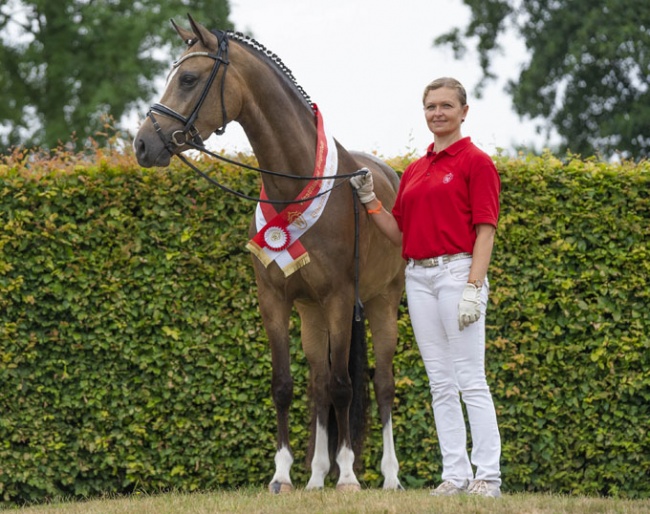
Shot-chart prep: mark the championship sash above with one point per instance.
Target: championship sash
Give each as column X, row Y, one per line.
column 278, row 234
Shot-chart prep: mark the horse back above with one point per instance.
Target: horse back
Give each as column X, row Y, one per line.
column 381, row 262
column 384, row 170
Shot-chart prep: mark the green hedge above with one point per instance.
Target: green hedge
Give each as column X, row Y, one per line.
column 570, row 327
column 132, row 354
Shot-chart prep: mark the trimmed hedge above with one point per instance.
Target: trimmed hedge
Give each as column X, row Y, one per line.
column 132, row 354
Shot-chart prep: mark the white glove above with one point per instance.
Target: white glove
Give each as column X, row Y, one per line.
column 469, row 308
column 364, row 186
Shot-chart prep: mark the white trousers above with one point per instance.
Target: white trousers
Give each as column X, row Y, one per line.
column 455, row 364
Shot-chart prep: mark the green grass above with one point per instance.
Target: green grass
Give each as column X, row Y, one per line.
column 255, row 500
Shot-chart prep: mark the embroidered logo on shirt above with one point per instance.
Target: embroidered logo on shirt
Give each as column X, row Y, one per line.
column 448, row 178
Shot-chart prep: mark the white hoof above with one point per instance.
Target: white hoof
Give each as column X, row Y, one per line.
column 348, row 488
column 280, row 488
column 392, row 485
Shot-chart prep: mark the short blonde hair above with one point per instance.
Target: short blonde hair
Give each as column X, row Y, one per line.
column 449, row 82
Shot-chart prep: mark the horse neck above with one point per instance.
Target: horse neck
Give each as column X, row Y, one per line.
column 280, row 127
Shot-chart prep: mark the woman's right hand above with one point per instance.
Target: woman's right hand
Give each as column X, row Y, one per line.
column 364, row 186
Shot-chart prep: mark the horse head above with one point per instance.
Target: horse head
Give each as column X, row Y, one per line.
column 196, row 101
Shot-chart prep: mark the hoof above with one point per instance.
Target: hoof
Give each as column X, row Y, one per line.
column 395, row 486
column 280, row 488
column 351, row 488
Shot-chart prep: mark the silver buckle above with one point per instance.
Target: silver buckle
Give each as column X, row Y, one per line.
column 426, row 263
column 433, row 262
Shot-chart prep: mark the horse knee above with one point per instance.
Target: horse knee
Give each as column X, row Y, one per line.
column 282, row 392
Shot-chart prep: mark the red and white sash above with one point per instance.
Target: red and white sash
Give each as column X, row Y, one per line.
column 278, row 234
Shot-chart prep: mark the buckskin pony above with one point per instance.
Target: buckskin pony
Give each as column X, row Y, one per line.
column 303, row 242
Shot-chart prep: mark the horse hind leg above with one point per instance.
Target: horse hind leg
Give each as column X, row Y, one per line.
column 320, row 460
column 358, row 409
column 315, row 343
column 342, row 392
column 326, row 348
column 382, row 317
column 389, row 462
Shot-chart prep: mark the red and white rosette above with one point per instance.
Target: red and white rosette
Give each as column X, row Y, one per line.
column 278, row 234
column 276, row 238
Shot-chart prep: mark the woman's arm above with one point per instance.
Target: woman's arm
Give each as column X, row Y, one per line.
column 482, row 252
column 384, row 221
column 381, row 217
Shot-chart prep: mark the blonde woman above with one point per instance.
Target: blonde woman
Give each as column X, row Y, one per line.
column 445, row 219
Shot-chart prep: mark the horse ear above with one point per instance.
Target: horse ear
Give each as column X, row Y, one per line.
column 206, row 37
column 185, row 35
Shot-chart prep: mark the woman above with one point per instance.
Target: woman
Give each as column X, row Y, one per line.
column 445, row 218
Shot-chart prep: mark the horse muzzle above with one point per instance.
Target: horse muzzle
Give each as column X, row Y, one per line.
column 149, row 149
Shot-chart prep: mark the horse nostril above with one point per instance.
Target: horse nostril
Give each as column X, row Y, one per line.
column 140, row 147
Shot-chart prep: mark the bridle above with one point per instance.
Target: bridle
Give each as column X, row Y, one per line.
column 189, row 133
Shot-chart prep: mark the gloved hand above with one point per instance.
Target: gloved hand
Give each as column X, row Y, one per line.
column 469, row 308
column 364, row 186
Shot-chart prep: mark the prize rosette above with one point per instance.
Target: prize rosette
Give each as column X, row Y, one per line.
column 276, row 238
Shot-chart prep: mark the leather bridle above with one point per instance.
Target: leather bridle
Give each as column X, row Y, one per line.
column 189, row 136
column 189, row 133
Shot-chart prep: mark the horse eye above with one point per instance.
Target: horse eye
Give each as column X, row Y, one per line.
column 187, row 80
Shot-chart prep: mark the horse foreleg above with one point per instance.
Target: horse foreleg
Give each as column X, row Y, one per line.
column 275, row 316
column 382, row 317
column 281, row 481
column 347, row 479
column 340, row 386
column 282, row 391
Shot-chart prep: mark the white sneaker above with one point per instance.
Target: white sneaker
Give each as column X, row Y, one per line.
column 484, row 488
column 448, row 488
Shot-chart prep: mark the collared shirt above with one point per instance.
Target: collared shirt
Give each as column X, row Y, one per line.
column 442, row 196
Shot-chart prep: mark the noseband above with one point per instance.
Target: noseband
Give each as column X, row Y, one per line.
column 190, row 133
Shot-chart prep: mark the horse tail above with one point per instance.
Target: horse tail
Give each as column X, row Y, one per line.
column 359, row 374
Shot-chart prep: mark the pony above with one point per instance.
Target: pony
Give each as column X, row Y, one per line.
column 312, row 249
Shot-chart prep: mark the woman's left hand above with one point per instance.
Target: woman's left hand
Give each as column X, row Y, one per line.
column 469, row 308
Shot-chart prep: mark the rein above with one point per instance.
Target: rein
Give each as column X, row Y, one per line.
column 189, row 135
column 214, row 182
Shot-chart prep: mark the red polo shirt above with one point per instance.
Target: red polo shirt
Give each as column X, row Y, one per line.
column 442, row 196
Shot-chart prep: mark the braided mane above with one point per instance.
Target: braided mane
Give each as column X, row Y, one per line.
column 259, row 47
